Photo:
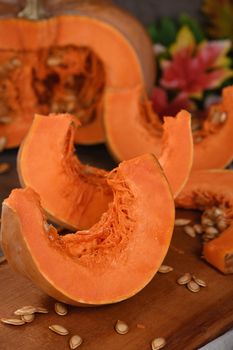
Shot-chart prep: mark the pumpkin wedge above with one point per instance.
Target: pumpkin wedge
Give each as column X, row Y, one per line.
column 213, row 189
column 60, row 56
column 91, row 267
column 213, row 141
column 132, row 128
column 73, row 195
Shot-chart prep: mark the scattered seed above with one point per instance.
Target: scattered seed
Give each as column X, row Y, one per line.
column 2, row 259
column 75, row 341
column 182, row 222
column 211, row 231
column 193, row 287
column 141, row 326
column 41, row 310
column 198, row 229
column 184, row 279
column 28, row 318
column 53, row 61
column 121, row 327
column 61, row 309
column 189, row 230
column 5, row 120
column 3, row 142
column 4, row 168
column 205, row 221
column 13, row 321
column 25, row 310
column 199, row 281
column 165, row 269
column 158, row 343
column 56, row 328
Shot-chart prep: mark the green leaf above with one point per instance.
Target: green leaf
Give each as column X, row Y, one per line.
column 167, row 31
column 153, row 33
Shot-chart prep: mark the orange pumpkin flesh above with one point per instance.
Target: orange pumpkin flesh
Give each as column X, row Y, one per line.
column 213, row 144
column 133, row 129
column 208, row 188
column 92, row 267
column 72, row 194
column 66, row 62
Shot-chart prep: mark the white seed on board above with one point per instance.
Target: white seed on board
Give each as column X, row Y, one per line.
column 28, row 318
column 121, row 327
column 182, row 222
column 25, row 310
column 13, row 321
column 189, row 230
column 3, row 142
column 193, row 287
column 184, row 279
column 41, row 310
column 165, row 269
column 158, row 343
column 75, row 341
column 60, row 309
column 56, row 328
column 199, row 281
column 198, row 229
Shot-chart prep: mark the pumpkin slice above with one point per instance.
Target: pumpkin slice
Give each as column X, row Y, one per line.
column 207, row 189
column 132, row 129
column 213, row 142
column 91, row 267
column 72, row 194
column 63, row 61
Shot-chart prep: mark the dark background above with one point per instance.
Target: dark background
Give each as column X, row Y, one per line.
column 149, row 10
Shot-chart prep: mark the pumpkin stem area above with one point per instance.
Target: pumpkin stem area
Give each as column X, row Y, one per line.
column 33, row 10
column 61, row 79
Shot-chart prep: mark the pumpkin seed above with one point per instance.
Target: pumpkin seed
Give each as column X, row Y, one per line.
column 16, row 62
column 60, row 309
column 3, row 142
column 25, row 310
column 211, row 231
column 223, row 117
column 199, row 281
column 184, row 279
column 217, row 212
column 158, row 343
column 75, row 341
column 28, row 318
column 189, row 230
column 4, row 168
column 53, row 61
column 193, row 286
column 182, row 222
column 198, row 229
column 41, row 310
column 13, row 321
column 205, row 221
column 165, row 269
column 121, row 327
column 5, row 120
column 222, row 224
column 56, row 328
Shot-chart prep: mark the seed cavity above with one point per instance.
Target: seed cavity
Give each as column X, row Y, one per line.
column 182, row 222
column 13, row 321
column 56, row 328
column 121, row 327
column 193, row 287
column 75, row 341
column 184, row 279
column 158, row 343
column 60, row 309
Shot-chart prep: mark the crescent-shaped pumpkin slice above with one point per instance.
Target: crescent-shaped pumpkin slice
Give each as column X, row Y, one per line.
column 73, row 195
column 132, row 128
column 91, row 267
column 213, row 142
column 213, row 189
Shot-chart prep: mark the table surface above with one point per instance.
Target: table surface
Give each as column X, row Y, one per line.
column 163, row 308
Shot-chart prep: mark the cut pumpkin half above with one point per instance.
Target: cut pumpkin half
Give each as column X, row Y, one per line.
column 91, row 267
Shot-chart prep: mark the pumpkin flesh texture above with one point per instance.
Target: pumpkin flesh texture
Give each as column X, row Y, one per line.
column 90, row 267
column 89, row 64
column 72, row 194
column 208, row 188
column 215, row 150
column 132, row 128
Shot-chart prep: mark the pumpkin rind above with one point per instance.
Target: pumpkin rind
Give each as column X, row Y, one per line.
column 91, row 267
column 207, row 188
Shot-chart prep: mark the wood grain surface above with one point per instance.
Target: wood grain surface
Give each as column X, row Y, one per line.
column 187, row 320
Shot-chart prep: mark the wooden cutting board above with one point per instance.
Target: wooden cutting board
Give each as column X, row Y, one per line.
column 163, row 309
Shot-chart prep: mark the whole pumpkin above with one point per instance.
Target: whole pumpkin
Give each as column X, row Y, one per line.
column 62, row 56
